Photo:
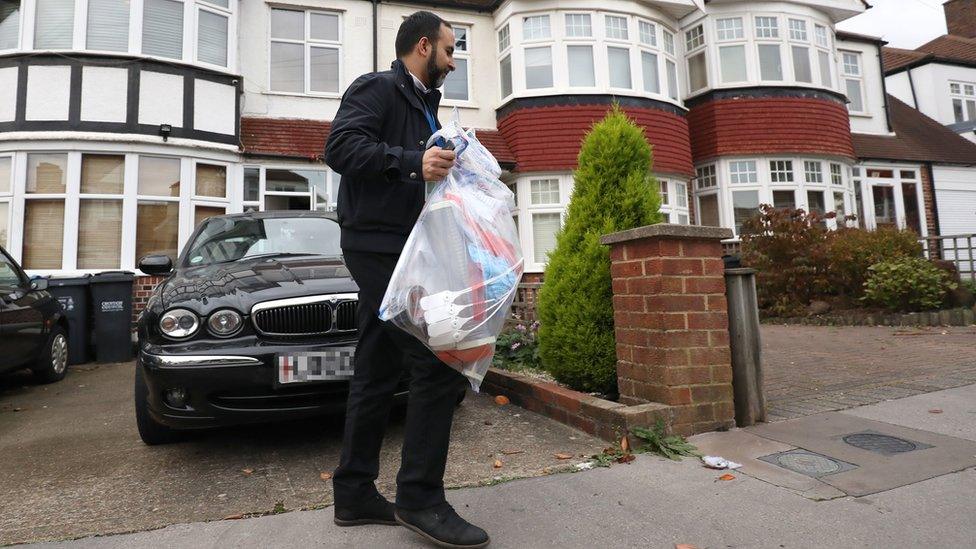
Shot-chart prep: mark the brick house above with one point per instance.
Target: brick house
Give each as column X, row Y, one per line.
column 124, row 123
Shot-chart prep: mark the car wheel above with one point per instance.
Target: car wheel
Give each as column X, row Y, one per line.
column 53, row 362
column 151, row 431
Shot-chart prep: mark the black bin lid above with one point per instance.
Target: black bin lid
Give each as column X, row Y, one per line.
column 112, row 276
column 83, row 280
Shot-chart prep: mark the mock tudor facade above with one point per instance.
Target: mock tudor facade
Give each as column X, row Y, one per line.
column 123, row 123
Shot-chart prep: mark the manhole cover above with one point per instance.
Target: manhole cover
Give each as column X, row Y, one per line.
column 808, row 463
column 882, row 444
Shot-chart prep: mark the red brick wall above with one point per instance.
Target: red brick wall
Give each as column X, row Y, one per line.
column 142, row 288
column 548, row 138
column 960, row 16
column 769, row 125
column 928, row 195
column 671, row 326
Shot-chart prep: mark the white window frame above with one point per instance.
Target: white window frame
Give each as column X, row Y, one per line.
column 675, row 208
column 7, row 197
column 857, row 76
column 308, row 43
column 331, row 179
column 525, row 210
column 466, row 55
column 963, row 93
column 223, row 12
column 503, row 38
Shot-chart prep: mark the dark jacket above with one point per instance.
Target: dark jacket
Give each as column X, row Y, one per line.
column 377, row 144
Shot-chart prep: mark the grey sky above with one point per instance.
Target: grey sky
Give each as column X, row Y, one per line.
column 903, row 23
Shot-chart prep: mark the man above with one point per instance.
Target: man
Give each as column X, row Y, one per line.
column 378, row 143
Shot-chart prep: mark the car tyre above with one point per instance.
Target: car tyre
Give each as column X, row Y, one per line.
column 151, row 431
column 52, row 364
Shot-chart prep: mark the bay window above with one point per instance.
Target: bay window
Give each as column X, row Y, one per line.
column 767, row 27
column 108, row 25
column 9, row 24
column 813, row 171
column 162, row 28
column 45, row 192
column 708, row 211
column 801, row 64
column 616, row 27
column 784, row 199
column 579, row 25
column 456, row 85
column 853, row 81
column 733, row 63
column 652, row 82
column 697, row 65
column 54, row 24
column 544, row 194
column 581, row 69
column 536, row 27
column 674, row 201
column 299, row 35
column 648, row 33
column 158, row 207
column 745, row 204
column 743, row 172
column 770, row 62
column 506, row 76
column 538, row 68
column 618, row 61
column 824, row 57
column 100, row 211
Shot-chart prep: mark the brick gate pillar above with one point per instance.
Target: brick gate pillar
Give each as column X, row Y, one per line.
column 671, row 323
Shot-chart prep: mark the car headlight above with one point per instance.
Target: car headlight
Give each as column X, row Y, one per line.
column 224, row 323
column 179, row 323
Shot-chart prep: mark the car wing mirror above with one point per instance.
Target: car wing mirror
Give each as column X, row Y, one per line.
column 39, row 284
column 156, row 265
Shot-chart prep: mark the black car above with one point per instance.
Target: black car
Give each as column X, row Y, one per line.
column 256, row 323
column 33, row 328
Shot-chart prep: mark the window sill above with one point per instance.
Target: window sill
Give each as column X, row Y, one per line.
column 860, row 114
column 459, row 104
column 307, row 95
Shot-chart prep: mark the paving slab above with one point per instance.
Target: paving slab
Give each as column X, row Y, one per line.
column 950, row 412
column 876, row 472
column 746, row 448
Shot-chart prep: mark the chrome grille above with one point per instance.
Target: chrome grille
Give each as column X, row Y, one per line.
column 306, row 316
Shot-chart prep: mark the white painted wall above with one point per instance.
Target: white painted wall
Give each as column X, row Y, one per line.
column 214, row 107
column 48, row 92
column 932, row 88
column 955, row 196
column 104, row 92
column 160, row 98
column 900, row 86
column 8, row 94
column 874, row 120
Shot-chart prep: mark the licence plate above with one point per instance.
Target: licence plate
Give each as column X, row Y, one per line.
column 334, row 364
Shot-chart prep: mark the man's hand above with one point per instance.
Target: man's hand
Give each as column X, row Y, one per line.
column 437, row 162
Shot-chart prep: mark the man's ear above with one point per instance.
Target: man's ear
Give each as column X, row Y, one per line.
column 423, row 46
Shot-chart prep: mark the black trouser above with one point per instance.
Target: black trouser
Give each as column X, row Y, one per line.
column 383, row 353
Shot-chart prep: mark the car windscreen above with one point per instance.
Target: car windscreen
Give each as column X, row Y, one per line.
column 225, row 239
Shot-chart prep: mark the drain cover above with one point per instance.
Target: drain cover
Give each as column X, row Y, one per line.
column 882, row 444
column 808, row 463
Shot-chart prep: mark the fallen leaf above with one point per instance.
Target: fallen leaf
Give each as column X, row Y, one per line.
column 497, row 464
column 684, row 546
column 247, row 472
column 512, row 452
column 563, row 456
column 625, row 444
column 727, row 476
column 234, row 517
column 935, row 411
column 18, row 409
column 626, row 458
column 325, row 476
column 501, row 400
column 487, row 422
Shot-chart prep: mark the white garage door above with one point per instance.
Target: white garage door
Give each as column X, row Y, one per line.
column 955, row 194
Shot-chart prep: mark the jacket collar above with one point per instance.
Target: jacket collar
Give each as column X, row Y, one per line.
column 406, row 86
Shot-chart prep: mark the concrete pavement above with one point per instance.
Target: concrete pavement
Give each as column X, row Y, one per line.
column 653, row 502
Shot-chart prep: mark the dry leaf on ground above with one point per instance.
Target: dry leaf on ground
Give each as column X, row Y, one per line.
column 626, row 458
column 935, row 411
column 512, row 452
column 625, row 444
column 684, row 546
column 247, row 472
column 325, row 476
column 727, row 476
column 234, row 517
column 501, row 400
column 563, row 456
column 497, row 464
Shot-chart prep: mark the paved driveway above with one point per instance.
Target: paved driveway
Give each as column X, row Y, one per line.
column 812, row 369
column 72, row 464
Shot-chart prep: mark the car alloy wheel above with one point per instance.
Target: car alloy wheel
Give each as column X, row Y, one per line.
column 59, row 353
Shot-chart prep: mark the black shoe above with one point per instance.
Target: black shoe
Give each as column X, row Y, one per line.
column 442, row 525
column 375, row 510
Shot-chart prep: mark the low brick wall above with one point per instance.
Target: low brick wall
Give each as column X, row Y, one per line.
column 142, row 288
column 602, row 418
column 951, row 317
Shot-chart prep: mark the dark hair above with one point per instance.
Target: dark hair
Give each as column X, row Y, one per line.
column 418, row 25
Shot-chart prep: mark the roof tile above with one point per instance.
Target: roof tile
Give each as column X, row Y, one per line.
column 917, row 138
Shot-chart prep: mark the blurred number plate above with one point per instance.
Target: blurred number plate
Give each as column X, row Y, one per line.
column 334, row 364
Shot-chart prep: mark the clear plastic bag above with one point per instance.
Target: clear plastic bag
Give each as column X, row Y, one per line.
column 457, row 276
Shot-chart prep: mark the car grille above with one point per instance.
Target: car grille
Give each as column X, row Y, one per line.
column 306, row 316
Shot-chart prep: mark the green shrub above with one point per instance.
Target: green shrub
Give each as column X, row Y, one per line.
column 851, row 251
column 613, row 191
column 788, row 248
column 907, row 284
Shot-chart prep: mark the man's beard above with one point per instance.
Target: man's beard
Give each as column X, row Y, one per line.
column 435, row 75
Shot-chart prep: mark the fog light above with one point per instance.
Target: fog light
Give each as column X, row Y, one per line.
column 176, row 397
